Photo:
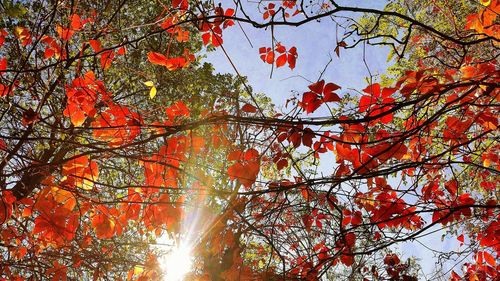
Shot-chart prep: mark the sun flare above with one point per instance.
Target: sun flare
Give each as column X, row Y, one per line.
column 177, row 263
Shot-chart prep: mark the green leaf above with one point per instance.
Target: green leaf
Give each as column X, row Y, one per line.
column 15, row 10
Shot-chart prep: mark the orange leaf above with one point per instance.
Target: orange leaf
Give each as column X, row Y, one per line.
column 81, row 171
column 104, row 226
column 96, row 45
column 157, row 58
column 182, row 36
column 106, row 59
column 121, row 51
column 246, row 169
column 64, row 33
column 76, row 22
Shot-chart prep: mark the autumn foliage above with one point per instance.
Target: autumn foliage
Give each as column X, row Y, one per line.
column 114, row 135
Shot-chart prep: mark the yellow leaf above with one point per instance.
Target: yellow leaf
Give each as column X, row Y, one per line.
column 152, row 92
column 138, row 269
column 149, row 83
column 485, row 2
column 20, row 32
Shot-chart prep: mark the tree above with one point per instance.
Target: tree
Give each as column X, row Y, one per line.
column 113, row 135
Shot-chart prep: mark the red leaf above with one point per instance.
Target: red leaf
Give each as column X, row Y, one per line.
column 235, row 155
column 347, row 260
column 76, row 22
column 282, row 163
column 6, row 200
column 281, row 60
column 292, row 57
column 229, row 12
column 3, row 34
column 386, row 119
column 295, row 139
column 337, row 49
column 270, row 57
column 386, row 92
column 310, row 102
column 246, row 169
column 479, row 258
column 280, row 48
column 249, row 108
column 206, row 38
column 177, row 109
column 317, row 87
column 81, row 172
column 307, row 137
column 489, row 259
column 3, row 145
column 3, row 64
column 291, row 61
column 64, row 32
column 307, row 220
column 251, row 154
column 176, row 63
column 452, row 187
column 436, row 215
column 342, row 170
column 96, row 45
column 30, row 117
column 373, row 90
column 104, row 226
column 106, row 59
column 330, row 87
column 319, row 224
column 365, row 102
column 121, row 51
column 350, row 239
column 157, row 58
column 329, row 95
column 181, row 4
column 391, row 260
column 217, row 40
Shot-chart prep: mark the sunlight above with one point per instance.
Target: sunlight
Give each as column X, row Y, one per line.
column 179, row 251
column 177, row 263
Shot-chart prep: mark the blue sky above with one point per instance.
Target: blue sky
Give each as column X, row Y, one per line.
column 315, row 44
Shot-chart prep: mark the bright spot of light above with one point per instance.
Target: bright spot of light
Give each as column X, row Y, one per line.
column 177, row 260
column 177, row 263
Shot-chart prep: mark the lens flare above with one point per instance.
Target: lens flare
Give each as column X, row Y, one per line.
column 177, row 263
